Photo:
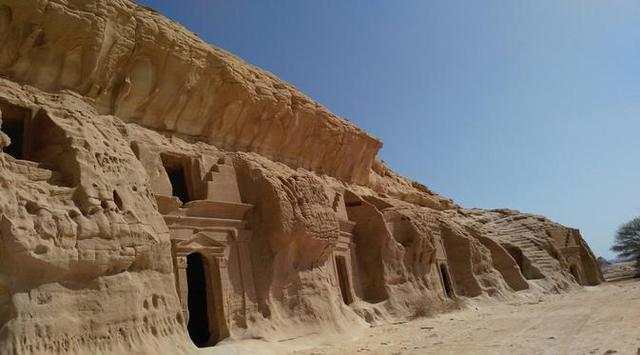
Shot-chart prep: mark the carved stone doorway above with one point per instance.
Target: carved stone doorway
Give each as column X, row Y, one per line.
column 446, row 281
column 343, row 279
column 201, row 282
column 197, row 286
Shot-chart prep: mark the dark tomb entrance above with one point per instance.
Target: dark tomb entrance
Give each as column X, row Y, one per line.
column 197, row 301
column 177, row 177
column 446, row 281
column 343, row 279
column 576, row 275
column 15, row 122
column 517, row 256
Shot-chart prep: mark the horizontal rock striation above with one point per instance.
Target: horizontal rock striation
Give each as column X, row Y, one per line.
column 543, row 249
column 141, row 67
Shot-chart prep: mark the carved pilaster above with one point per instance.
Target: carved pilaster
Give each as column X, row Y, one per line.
column 225, row 287
column 181, row 273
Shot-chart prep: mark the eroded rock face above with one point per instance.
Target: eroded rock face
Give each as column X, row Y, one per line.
column 543, row 250
column 173, row 195
column 139, row 66
column 85, row 257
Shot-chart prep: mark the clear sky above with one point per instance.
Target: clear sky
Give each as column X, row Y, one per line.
column 531, row 105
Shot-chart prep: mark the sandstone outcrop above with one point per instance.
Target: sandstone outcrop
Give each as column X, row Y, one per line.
column 157, row 192
column 140, row 67
column 620, row 271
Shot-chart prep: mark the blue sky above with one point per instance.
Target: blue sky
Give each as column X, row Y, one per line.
column 531, row 105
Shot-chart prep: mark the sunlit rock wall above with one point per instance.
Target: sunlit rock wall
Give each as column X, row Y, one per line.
column 335, row 238
column 85, row 261
column 141, row 67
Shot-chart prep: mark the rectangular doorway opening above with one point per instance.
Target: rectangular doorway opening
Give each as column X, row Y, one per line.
column 446, row 281
column 16, row 123
column 198, row 326
column 343, row 279
column 174, row 167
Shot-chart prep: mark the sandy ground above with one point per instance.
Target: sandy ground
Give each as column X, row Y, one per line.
column 597, row 320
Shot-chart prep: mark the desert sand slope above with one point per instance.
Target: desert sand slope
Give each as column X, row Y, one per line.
column 599, row 320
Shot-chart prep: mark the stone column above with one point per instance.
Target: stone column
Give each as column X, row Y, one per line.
column 225, row 284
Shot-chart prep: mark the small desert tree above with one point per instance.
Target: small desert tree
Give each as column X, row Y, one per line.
column 627, row 242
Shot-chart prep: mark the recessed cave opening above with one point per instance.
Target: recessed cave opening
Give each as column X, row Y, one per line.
column 369, row 235
column 517, row 255
column 343, row 279
column 446, row 281
column 527, row 270
column 178, row 183
column 178, row 178
column 15, row 130
column 36, row 138
column 198, row 325
column 15, row 124
column 576, row 275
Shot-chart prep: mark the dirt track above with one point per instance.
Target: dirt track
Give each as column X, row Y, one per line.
column 597, row 320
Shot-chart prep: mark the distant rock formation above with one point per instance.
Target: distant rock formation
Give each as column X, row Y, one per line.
column 157, row 192
column 603, row 262
column 620, row 271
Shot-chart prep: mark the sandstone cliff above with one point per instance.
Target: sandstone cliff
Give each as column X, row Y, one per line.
column 137, row 65
column 157, row 192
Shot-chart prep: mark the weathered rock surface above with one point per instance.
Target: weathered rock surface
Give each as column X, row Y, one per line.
column 541, row 248
column 139, row 66
column 157, row 192
column 620, row 271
